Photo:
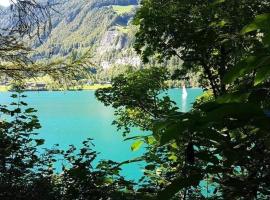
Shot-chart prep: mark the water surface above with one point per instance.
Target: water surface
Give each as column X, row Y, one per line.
column 71, row 117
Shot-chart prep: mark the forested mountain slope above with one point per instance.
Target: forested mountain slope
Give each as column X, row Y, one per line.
column 103, row 26
column 100, row 25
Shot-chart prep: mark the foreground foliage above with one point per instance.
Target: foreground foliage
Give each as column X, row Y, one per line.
column 220, row 149
column 27, row 171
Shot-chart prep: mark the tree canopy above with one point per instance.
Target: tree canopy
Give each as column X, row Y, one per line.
column 204, row 34
column 219, row 149
column 31, row 19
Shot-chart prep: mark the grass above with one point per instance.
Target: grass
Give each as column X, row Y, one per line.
column 123, row 9
column 92, row 87
column 4, row 88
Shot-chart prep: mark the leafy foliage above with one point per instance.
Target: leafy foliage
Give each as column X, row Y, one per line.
column 205, row 35
column 28, row 172
column 219, row 149
column 29, row 19
column 135, row 95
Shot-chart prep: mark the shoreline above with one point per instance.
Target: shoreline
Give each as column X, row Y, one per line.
column 76, row 88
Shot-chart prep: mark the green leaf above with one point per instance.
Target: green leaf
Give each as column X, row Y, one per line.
column 246, row 66
column 233, row 98
column 150, row 140
column 30, row 110
column 173, row 157
column 212, row 135
column 178, row 184
column 23, row 103
column 150, row 167
column 40, row 142
column 14, row 96
column 207, row 157
column 166, row 131
column 261, row 22
column 243, row 111
column 242, row 68
column 136, row 145
column 262, row 75
column 216, row 2
column 221, row 23
column 135, row 137
column 171, row 132
column 108, row 180
column 174, row 131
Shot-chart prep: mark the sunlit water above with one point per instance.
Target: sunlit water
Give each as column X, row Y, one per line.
column 73, row 116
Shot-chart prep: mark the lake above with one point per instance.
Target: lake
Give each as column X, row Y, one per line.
column 70, row 117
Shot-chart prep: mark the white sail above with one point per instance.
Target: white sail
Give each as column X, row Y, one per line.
column 184, row 92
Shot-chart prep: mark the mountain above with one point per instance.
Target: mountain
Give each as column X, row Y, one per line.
column 104, row 26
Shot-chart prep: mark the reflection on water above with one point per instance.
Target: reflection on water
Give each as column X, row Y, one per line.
column 184, row 99
column 184, row 104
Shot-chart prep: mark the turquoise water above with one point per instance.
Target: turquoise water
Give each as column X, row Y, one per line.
column 73, row 116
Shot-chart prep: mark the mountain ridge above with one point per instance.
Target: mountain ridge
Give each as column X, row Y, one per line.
column 103, row 26
column 97, row 25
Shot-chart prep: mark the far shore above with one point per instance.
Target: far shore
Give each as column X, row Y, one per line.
column 75, row 88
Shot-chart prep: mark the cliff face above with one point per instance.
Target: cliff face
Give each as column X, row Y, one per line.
column 112, row 40
column 104, row 26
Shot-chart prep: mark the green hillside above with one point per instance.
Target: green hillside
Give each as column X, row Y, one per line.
column 102, row 26
column 123, row 9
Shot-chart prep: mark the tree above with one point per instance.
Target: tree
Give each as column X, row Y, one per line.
column 220, row 148
column 31, row 19
column 205, row 34
column 20, row 165
column 26, row 172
